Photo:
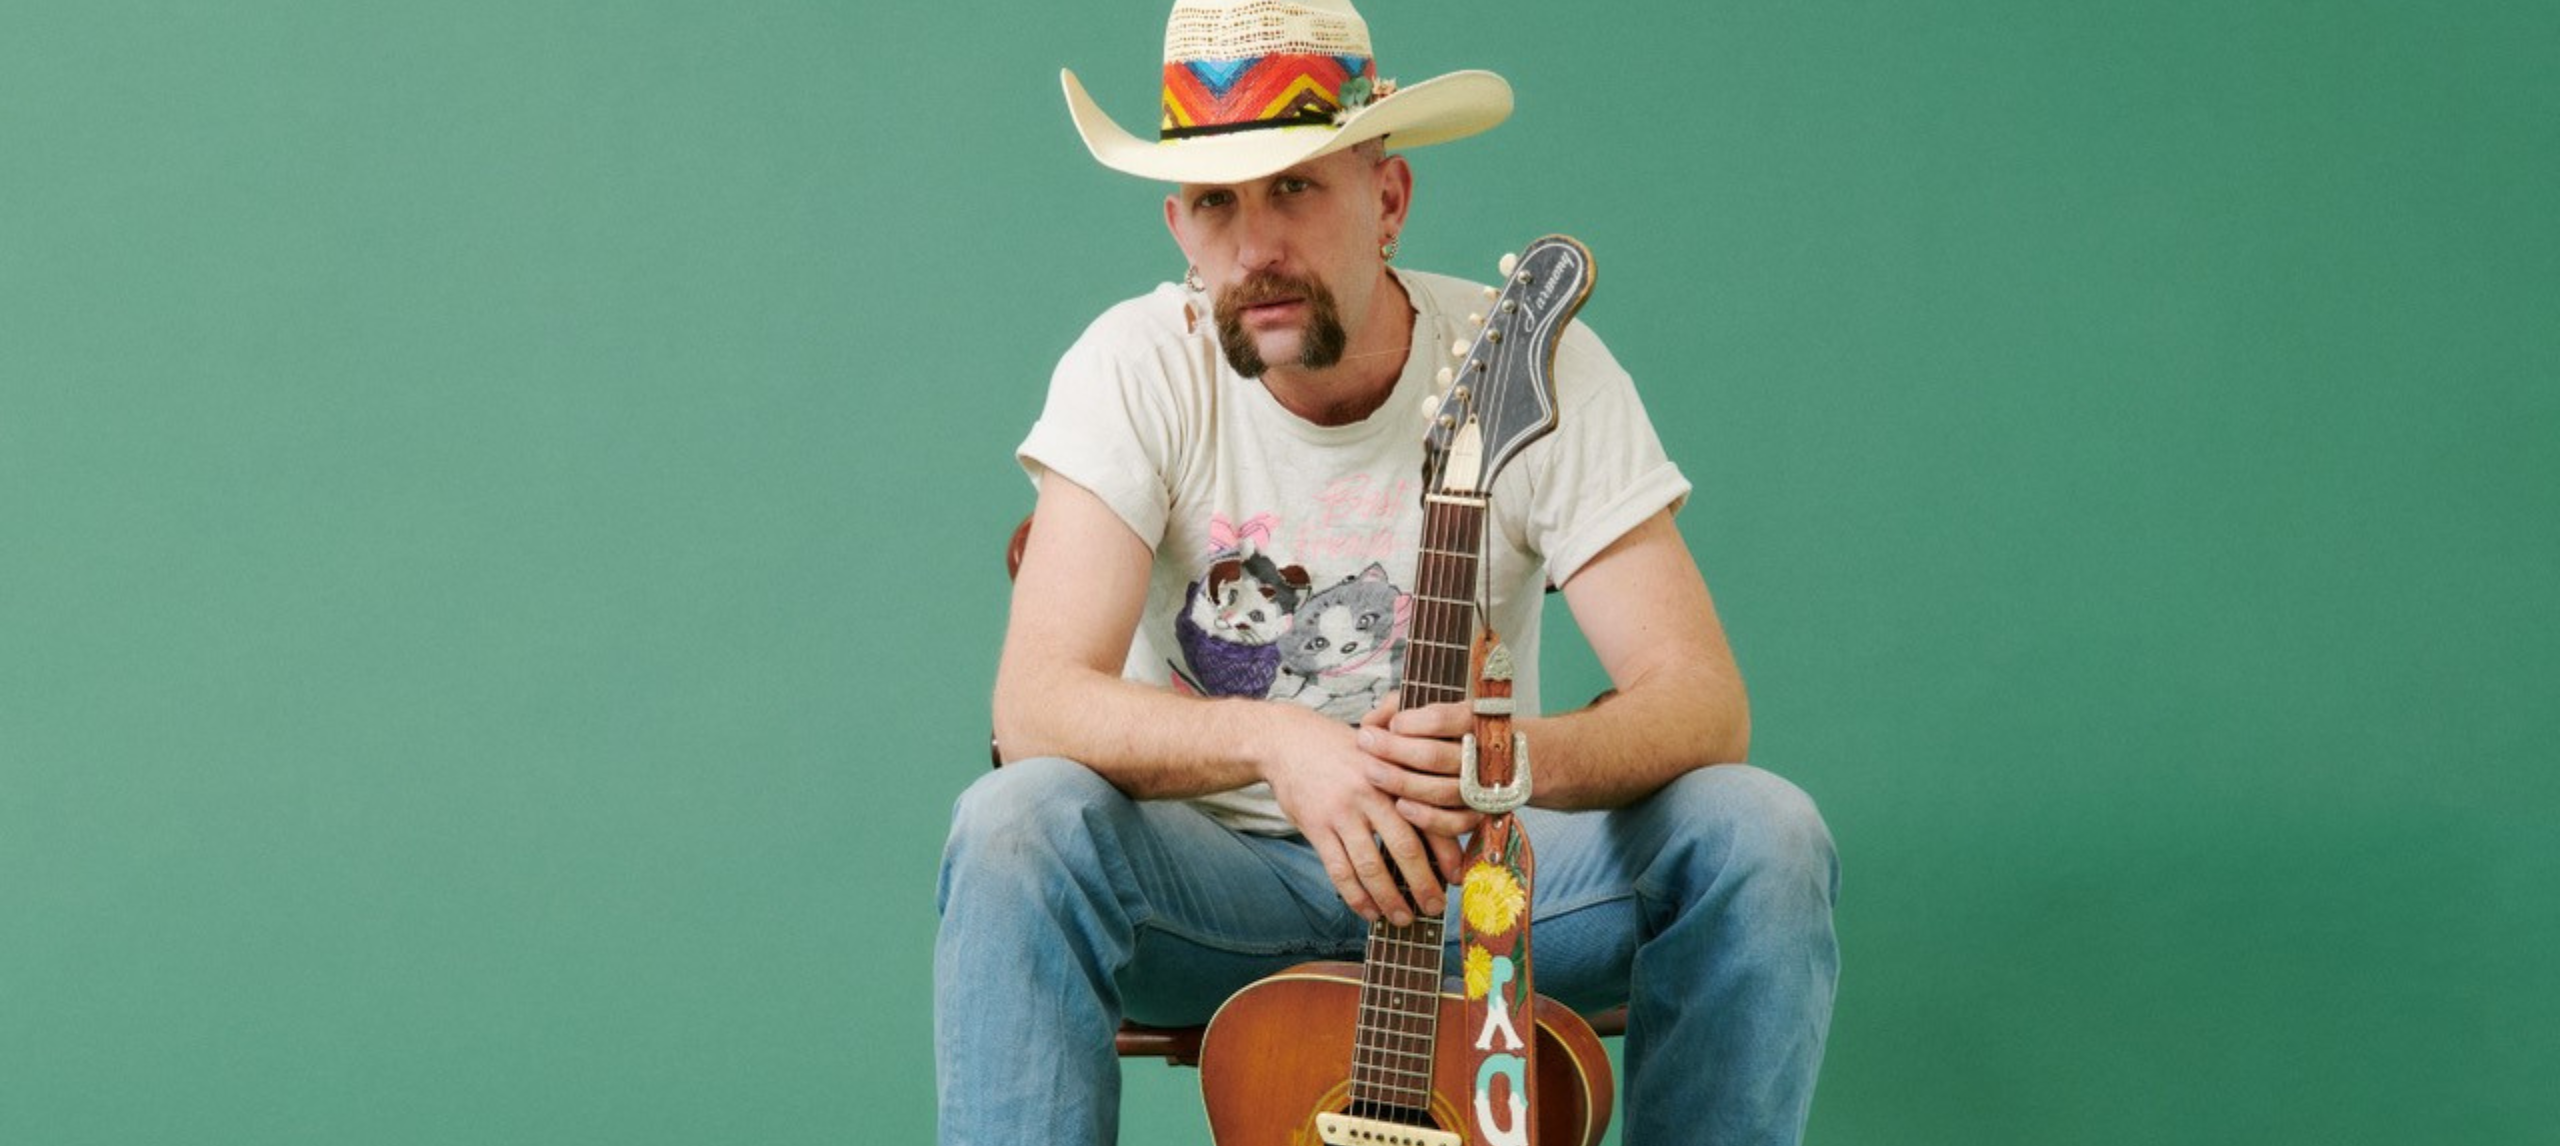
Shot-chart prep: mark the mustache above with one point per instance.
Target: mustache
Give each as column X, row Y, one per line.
column 1321, row 343
column 1263, row 287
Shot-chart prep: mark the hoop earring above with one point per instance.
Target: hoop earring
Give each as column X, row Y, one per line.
column 1191, row 278
column 1388, row 249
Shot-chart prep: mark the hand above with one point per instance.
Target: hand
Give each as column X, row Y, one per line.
column 1321, row 779
column 1415, row 760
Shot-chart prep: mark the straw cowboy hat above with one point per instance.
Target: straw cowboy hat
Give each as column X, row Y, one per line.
column 1254, row 86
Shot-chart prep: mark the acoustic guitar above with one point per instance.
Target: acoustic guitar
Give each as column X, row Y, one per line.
column 1350, row 1053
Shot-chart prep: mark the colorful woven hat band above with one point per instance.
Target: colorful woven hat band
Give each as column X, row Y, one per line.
column 1302, row 69
column 1283, row 89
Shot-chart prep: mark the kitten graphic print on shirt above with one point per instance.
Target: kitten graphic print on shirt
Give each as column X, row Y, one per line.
column 1253, row 627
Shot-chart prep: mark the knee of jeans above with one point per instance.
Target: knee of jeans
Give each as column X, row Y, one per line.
column 1757, row 822
column 1031, row 818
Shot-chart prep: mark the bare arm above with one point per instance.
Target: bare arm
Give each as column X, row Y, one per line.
column 1076, row 603
column 1680, row 703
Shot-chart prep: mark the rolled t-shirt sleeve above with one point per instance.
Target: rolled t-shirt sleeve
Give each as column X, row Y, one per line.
column 1602, row 472
column 1112, row 426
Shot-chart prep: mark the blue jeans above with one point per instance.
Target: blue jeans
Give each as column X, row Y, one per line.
column 1067, row 906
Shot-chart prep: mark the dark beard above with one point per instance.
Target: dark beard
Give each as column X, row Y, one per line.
column 1320, row 345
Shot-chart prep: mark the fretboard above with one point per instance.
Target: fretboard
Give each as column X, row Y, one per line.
column 1400, row 978
column 1444, row 602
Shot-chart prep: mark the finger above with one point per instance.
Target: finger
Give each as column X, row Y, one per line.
column 1405, row 847
column 1385, row 711
column 1443, row 721
column 1421, row 787
column 1346, row 881
column 1374, row 871
column 1452, row 858
column 1438, row 823
column 1435, row 756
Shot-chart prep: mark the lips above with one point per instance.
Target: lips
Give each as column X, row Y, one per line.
column 1275, row 311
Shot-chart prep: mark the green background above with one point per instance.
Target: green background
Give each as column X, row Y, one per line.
column 500, row 508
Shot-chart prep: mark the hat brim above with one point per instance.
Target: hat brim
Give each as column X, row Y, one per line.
column 1434, row 111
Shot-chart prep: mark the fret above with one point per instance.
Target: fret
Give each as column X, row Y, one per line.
column 1389, row 996
column 1404, row 1033
column 1430, row 997
column 1402, row 1027
column 1414, row 1064
column 1424, row 1055
column 1394, row 1081
column 1383, row 936
column 1405, row 1080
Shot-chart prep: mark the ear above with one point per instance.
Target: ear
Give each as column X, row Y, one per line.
column 1173, row 224
column 1395, row 193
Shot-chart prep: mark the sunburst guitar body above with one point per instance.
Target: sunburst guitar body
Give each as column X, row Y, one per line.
column 1266, row 1091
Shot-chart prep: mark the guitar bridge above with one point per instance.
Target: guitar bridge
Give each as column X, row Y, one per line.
column 1344, row 1130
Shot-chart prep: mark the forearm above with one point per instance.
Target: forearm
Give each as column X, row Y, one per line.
column 1644, row 736
column 1149, row 742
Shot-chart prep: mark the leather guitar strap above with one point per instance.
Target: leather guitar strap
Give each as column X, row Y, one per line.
column 1494, row 912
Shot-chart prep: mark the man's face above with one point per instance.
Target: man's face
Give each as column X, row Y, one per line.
column 1291, row 260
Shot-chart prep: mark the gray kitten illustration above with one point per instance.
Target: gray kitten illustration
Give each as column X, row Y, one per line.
column 1345, row 648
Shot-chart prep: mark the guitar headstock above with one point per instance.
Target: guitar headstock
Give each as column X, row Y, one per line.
column 1501, row 394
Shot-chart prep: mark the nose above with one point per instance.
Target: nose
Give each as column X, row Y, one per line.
column 1261, row 241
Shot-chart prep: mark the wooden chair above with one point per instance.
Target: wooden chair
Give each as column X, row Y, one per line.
column 1180, row 1046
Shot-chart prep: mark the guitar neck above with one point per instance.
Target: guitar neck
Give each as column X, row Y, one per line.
column 1444, row 601
column 1397, row 1035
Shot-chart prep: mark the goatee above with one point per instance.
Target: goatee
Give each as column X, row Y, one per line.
column 1320, row 343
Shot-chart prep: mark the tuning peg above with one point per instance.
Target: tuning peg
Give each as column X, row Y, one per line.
column 1474, row 319
column 1508, row 263
column 1493, row 292
column 1458, row 349
column 1430, row 406
column 1445, row 377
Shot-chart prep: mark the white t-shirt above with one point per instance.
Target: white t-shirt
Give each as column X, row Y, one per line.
column 1285, row 550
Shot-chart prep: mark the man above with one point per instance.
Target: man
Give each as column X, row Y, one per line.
column 1207, row 779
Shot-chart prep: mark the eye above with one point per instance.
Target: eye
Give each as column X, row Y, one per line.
column 1212, row 199
column 1292, row 184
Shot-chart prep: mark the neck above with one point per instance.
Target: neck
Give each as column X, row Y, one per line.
column 1355, row 387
